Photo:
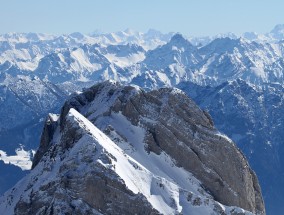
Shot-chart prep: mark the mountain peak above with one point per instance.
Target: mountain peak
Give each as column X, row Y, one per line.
column 277, row 28
column 179, row 41
column 153, row 32
column 130, row 31
column 77, row 35
column 278, row 32
column 178, row 37
column 117, row 143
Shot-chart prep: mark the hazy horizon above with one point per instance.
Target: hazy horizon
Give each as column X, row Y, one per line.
column 98, row 31
column 192, row 18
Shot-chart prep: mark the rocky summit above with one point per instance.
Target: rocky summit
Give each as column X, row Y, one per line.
column 121, row 150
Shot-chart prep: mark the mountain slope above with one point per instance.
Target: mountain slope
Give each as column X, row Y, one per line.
column 253, row 117
column 60, row 65
column 162, row 155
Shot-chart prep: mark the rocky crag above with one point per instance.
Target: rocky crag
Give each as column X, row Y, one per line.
column 121, row 150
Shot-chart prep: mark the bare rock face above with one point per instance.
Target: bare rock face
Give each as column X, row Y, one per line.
column 159, row 153
column 69, row 180
column 184, row 132
column 46, row 137
column 175, row 124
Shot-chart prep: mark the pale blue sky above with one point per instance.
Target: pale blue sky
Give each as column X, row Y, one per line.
column 196, row 18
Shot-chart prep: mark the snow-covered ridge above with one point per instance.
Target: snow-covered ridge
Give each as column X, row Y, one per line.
column 155, row 176
column 103, row 96
column 167, row 188
column 137, row 176
column 85, row 168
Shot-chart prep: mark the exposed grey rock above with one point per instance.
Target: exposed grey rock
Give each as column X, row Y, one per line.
column 46, row 138
column 179, row 128
column 75, row 174
column 83, row 186
column 253, row 117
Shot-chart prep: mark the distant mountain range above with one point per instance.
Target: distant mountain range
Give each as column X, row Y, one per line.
column 239, row 80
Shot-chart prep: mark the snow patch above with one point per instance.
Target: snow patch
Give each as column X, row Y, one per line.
column 22, row 158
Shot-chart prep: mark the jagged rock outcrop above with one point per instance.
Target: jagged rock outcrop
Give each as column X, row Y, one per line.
column 162, row 155
column 67, row 180
column 46, row 138
column 211, row 157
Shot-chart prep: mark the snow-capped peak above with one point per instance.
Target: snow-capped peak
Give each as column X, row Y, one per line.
column 278, row 32
column 124, row 151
